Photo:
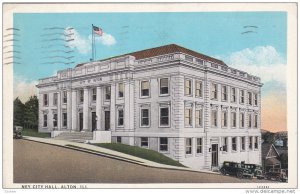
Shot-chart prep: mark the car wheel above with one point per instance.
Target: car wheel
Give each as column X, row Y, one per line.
column 240, row 174
column 223, row 171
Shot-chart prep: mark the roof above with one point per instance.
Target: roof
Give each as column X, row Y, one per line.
column 166, row 49
column 265, row 149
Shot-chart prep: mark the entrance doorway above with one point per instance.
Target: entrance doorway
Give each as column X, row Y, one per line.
column 80, row 121
column 94, row 122
column 107, row 120
column 214, row 155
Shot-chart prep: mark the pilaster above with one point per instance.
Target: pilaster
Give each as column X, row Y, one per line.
column 74, row 110
column 99, row 108
column 85, row 109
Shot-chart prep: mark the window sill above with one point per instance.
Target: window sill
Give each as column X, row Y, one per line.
column 199, row 154
column 234, row 151
column 164, row 126
column 198, row 96
column 163, row 95
column 189, row 155
column 145, row 147
column 243, row 151
column 224, row 152
column 224, row 100
column 144, row 97
column 188, row 95
column 145, row 126
column 164, row 152
column 188, row 126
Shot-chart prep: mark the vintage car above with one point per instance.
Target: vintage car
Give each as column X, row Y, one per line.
column 18, row 132
column 235, row 169
column 255, row 169
column 277, row 174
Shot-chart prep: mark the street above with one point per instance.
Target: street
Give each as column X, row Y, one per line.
column 42, row 163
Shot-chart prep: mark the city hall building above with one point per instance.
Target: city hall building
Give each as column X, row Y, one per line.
column 186, row 105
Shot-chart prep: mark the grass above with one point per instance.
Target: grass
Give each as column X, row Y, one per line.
column 35, row 133
column 141, row 153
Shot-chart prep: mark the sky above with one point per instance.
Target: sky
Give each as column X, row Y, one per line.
column 255, row 42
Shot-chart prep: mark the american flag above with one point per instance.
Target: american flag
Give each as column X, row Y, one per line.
column 97, row 30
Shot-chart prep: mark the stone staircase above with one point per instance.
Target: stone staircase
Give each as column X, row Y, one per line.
column 79, row 137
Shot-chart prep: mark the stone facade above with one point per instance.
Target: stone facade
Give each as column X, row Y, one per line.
column 188, row 106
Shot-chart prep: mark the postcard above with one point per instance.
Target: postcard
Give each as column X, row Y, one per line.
column 150, row 95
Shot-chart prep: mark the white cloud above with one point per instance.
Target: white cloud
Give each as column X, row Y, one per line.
column 106, row 39
column 24, row 88
column 84, row 43
column 262, row 61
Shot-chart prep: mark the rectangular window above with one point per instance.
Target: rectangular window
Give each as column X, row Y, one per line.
column 164, row 116
column 214, row 118
column 188, row 116
column 224, row 93
column 188, row 146
column 121, row 90
column 81, row 96
column 242, row 120
column 54, row 120
column 214, row 91
column 119, row 139
column 199, row 119
column 55, row 95
column 164, row 86
column 233, row 119
column 224, row 118
column 233, row 143
column 225, row 144
column 144, row 142
column 144, row 117
column 199, row 145
column 107, row 92
column 94, row 94
column 255, row 121
column 233, row 95
column 255, row 99
column 45, row 120
column 188, row 87
column 65, row 119
column 198, row 89
column 249, row 120
column 145, row 89
column 163, row 144
column 256, row 142
column 45, row 98
column 65, row 99
column 250, row 143
column 242, row 143
column 249, row 98
column 242, row 96
column 120, row 117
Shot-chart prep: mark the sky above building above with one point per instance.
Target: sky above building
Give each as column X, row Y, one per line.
column 255, row 42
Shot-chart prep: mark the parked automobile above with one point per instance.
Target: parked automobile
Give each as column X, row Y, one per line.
column 18, row 132
column 277, row 174
column 255, row 169
column 235, row 169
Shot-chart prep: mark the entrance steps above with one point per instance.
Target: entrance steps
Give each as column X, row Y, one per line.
column 79, row 137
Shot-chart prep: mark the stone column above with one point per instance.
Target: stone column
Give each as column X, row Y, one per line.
column 86, row 109
column 113, row 115
column 99, row 108
column 74, row 110
column 59, row 124
column 69, row 110
column 126, row 105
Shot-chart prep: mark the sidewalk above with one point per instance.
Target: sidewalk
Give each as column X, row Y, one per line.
column 109, row 153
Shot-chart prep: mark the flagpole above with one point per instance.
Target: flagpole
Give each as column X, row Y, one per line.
column 92, row 42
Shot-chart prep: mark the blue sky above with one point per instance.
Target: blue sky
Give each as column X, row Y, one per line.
column 262, row 52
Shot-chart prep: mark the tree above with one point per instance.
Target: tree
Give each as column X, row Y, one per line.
column 268, row 137
column 284, row 160
column 19, row 109
column 31, row 113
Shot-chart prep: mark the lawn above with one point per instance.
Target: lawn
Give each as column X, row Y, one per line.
column 140, row 152
column 34, row 133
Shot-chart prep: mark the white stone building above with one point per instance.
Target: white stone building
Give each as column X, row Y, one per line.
column 186, row 105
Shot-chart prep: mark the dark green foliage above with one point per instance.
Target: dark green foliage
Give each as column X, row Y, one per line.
column 31, row 113
column 284, row 160
column 141, row 153
column 268, row 137
column 19, row 109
